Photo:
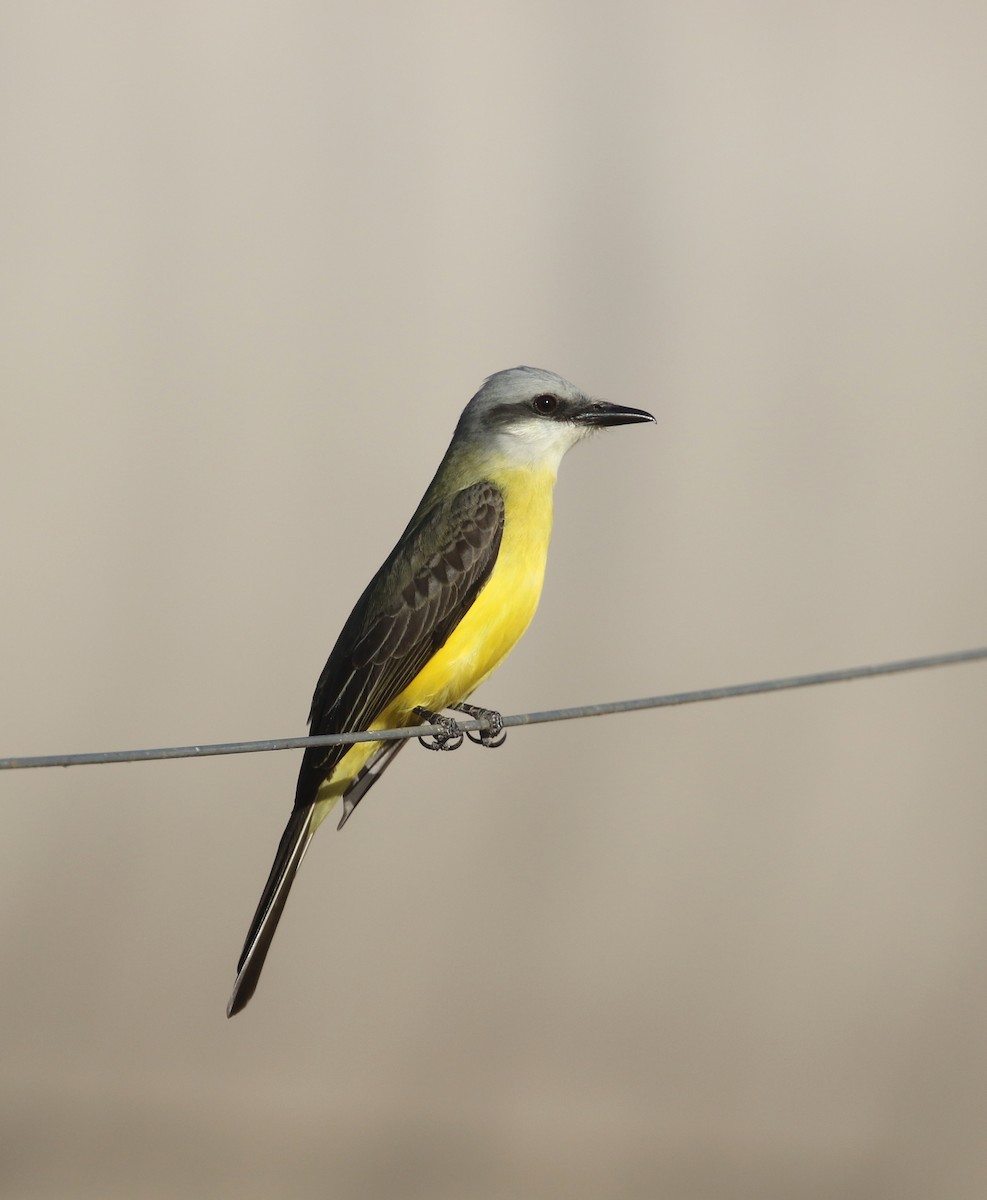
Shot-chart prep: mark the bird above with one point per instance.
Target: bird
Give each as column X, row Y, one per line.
column 446, row 607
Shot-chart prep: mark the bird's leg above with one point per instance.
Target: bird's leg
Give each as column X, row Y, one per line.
column 494, row 735
column 451, row 737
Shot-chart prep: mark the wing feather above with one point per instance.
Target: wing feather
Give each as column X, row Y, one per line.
column 414, row 602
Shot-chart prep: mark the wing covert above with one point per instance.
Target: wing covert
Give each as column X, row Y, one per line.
column 414, row 602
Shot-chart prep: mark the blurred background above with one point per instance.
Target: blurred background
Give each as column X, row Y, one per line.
column 255, row 259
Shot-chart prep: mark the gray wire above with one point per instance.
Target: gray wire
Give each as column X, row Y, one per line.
column 535, row 718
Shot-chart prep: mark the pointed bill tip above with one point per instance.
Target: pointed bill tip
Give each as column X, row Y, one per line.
column 603, row 413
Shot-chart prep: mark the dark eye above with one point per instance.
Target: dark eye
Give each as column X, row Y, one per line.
column 545, row 405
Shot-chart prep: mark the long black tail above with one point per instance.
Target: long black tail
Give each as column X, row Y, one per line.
column 294, row 842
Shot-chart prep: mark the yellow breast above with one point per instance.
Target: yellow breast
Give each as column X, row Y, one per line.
column 486, row 634
column 503, row 609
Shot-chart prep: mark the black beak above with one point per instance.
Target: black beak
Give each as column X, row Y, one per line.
column 602, row 412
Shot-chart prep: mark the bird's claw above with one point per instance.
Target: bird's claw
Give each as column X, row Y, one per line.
column 494, row 735
column 450, row 737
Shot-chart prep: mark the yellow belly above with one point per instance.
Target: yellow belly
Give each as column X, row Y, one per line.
column 486, row 634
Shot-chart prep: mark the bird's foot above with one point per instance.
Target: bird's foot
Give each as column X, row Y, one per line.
column 451, row 737
column 494, row 735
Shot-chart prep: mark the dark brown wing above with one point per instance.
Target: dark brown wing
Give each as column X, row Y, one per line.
column 412, row 605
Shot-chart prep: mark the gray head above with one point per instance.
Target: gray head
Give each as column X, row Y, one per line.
column 532, row 417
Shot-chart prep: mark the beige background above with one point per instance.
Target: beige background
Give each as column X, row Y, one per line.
column 255, row 258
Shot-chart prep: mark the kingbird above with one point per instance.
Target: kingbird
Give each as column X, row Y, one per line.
column 447, row 606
